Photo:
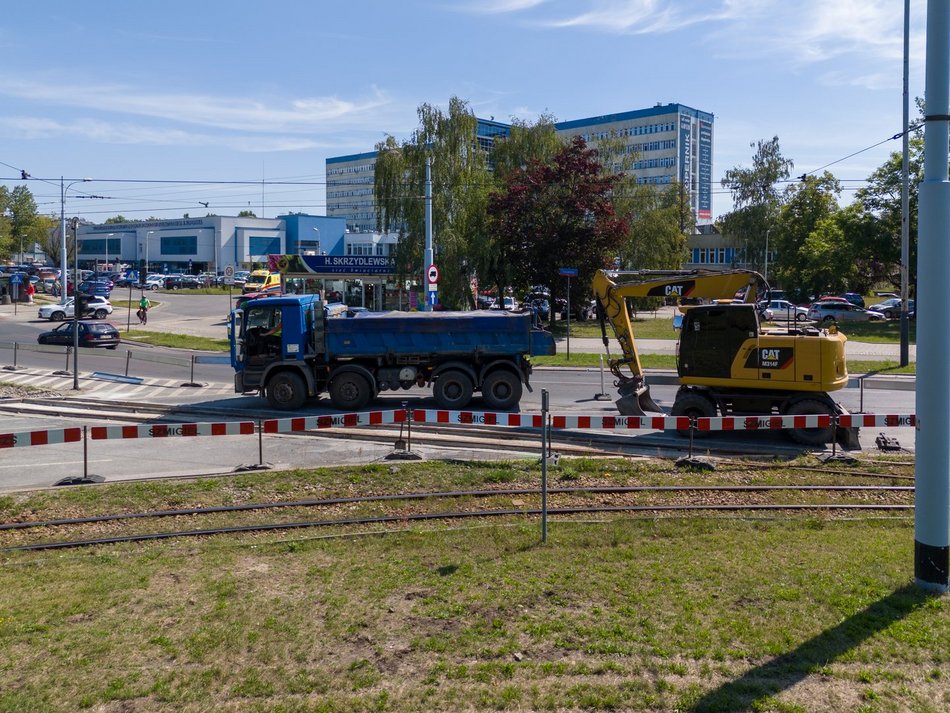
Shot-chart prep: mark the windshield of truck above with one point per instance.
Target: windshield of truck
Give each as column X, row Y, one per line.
column 259, row 317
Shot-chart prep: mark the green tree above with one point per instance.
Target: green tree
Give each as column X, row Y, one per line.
column 756, row 199
column 117, row 219
column 460, row 185
column 20, row 228
column 558, row 214
column 809, row 239
column 246, row 214
column 881, row 197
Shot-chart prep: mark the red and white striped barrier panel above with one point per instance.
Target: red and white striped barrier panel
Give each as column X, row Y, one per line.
column 875, row 420
column 622, row 423
column 342, row 420
column 173, row 430
column 480, row 418
column 778, row 423
column 40, row 438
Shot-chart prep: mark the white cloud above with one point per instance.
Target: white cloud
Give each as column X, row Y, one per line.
column 32, row 128
column 304, row 115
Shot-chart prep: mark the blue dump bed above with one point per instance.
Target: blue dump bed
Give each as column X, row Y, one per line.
column 374, row 334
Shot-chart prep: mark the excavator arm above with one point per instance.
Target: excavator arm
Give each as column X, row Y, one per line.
column 679, row 284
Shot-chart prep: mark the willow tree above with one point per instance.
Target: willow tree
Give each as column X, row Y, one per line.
column 460, row 185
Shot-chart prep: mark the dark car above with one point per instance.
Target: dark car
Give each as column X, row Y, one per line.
column 100, row 287
column 91, row 334
column 182, row 282
column 854, row 298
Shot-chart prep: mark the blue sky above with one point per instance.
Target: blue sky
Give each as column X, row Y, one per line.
column 140, row 96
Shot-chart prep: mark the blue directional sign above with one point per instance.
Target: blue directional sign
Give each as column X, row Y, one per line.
column 567, row 271
column 433, row 298
column 16, row 278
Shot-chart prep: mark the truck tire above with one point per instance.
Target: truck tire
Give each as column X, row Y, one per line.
column 501, row 390
column 453, row 389
column 694, row 405
column 811, row 436
column 350, row 391
column 286, row 391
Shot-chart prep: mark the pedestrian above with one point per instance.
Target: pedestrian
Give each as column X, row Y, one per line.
column 30, row 290
column 56, row 287
column 142, row 314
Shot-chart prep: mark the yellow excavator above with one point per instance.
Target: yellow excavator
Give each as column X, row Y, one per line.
column 728, row 364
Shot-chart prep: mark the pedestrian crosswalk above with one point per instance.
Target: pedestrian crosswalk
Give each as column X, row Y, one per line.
column 102, row 387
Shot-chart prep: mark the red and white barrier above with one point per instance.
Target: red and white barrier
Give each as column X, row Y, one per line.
column 480, row 418
column 622, row 423
column 40, row 438
column 344, row 420
column 173, row 430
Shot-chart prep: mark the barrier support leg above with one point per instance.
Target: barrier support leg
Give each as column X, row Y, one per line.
column 689, row 460
column 834, row 456
column 85, row 478
column 260, row 465
column 14, row 366
column 66, row 371
column 402, row 450
column 545, row 443
column 192, row 383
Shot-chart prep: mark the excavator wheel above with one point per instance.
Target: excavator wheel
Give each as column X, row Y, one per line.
column 694, row 405
column 811, row 436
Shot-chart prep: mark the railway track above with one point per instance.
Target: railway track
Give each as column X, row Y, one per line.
column 394, row 510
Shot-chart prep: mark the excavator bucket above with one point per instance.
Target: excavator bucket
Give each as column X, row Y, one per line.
column 635, row 400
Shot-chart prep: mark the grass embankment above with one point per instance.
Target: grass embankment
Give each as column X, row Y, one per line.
column 677, row 613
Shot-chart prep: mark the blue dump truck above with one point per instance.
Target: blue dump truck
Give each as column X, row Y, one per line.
column 296, row 347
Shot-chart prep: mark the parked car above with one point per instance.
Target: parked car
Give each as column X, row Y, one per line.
column 99, row 307
column 854, row 298
column 891, row 309
column 783, row 310
column 240, row 277
column 91, row 334
column 101, row 287
column 828, row 311
column 181, row 282
column 153, row 281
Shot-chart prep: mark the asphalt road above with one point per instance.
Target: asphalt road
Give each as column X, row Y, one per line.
column 571, row 391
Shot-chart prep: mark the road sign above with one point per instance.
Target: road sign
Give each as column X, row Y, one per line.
column 567, row 271
column 433, row 298
column 433, row 274
column 229, row 271
column 16, row 278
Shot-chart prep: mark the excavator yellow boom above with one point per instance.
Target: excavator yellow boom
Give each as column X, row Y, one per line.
column 669, row 284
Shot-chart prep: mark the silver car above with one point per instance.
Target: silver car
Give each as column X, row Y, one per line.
column 783, row 310
column 827, row 312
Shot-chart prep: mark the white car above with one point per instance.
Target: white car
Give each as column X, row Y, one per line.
column 783, row 310
column 99, row 307
column 155, row 281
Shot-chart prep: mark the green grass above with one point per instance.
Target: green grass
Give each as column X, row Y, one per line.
column 639, row 614
column 179, row 341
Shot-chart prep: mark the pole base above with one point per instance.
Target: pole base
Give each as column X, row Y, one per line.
column 80, row 480
column 13, row 368
column 252, row 467
column 403, row 455
column 696, row 462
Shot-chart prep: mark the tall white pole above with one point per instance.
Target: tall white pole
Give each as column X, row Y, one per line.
column 63, row 276
column 905, row 200
column 429, row 258
column 932, row 489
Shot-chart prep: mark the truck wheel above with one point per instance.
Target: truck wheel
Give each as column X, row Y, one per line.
column 694, row 405
column 811, row 436
column 453, row 389
column 501, row 390
column 286, row 391
column 350, row 391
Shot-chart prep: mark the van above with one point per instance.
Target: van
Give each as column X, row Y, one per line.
column 263, row 281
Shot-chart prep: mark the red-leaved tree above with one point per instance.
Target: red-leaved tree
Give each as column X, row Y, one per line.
column 557, row 214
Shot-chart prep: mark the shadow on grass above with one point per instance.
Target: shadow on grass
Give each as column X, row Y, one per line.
column 785, row 671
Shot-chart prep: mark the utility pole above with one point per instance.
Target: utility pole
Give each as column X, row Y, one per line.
column 429, row 257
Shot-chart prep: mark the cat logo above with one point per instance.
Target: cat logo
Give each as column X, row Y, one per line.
column 775, row 357
column 674, row 290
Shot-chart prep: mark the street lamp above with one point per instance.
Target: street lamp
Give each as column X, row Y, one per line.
column 74, row 222
column 64, row 266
